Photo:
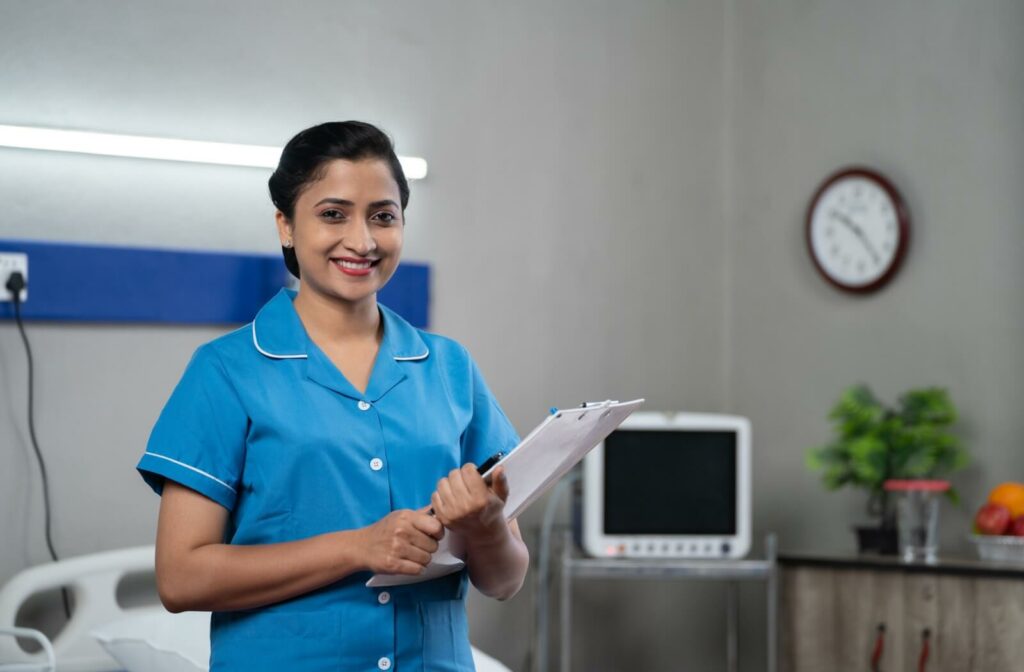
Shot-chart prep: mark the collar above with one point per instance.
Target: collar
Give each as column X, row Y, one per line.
column 401, row 340
column 277, row 333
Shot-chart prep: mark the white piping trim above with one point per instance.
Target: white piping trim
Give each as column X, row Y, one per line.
column 413, row 358
column 189, row 466
column 270, row 354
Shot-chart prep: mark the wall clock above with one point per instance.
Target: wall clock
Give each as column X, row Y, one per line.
column 858, row 230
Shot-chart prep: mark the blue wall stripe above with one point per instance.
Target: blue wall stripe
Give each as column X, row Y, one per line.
column 95, row 283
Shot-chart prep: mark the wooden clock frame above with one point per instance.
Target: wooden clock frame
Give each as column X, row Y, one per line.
column 902, row 221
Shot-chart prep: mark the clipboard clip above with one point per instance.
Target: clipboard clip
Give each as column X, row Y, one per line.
column 597, row 404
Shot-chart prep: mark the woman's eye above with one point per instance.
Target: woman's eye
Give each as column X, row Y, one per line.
column 332, row 214
column 386, row 217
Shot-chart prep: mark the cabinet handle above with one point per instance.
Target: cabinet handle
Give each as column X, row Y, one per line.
column 922, row 660
column 876, row 654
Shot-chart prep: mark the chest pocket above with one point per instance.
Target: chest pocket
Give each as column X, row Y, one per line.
column 422, row 442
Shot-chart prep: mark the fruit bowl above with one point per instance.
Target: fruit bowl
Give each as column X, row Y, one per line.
column 999, row 547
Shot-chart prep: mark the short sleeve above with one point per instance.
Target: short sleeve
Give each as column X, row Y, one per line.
column 489, row 429
column 199, row 438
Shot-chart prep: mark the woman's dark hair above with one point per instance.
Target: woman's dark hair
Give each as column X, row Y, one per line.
column 305, row 157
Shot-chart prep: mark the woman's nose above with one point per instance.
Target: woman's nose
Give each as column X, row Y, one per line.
column 360, row 239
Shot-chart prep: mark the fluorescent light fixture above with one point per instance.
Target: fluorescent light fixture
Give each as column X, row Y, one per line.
column 166, row 149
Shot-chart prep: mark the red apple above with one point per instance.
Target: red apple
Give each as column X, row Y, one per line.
column 992, row 519
column 1017, row 527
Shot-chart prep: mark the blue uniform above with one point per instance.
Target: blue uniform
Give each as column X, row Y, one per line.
column 263, row 423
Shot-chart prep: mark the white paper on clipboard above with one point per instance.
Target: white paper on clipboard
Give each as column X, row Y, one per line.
column 532, row 468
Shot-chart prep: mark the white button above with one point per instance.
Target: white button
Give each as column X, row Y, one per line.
column 384, row 663
column 384, row 597
column 376, row 464
column 364, row 406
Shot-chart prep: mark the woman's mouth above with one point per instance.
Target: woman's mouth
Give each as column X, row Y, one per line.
column 357, row 267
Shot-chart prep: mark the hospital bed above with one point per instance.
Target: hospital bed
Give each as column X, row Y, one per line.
column 102, row 635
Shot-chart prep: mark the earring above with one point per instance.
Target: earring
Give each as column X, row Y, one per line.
column 288, row 243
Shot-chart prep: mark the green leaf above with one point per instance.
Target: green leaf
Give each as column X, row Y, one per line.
column 868, row 460
column 927, row 405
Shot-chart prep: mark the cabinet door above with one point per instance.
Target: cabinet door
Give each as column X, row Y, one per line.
column 830, row 619
column 977, row 624
column 864, row 600
column 946, row 604
column 807, row 619
column 998, row 625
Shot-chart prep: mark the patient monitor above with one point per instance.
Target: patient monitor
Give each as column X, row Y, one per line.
column 669, row 485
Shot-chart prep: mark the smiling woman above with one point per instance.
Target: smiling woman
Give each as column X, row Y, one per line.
column 301, row 453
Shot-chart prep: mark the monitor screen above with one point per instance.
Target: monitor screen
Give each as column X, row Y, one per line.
column 670, row 482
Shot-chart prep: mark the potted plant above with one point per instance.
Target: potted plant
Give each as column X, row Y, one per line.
column 874, row 443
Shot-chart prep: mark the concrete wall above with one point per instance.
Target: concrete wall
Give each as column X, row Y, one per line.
column 930, row 94
column 572, row 216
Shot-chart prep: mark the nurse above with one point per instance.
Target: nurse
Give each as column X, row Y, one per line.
column 301, row 452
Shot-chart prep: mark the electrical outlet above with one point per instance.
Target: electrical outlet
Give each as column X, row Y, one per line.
column 9, row 263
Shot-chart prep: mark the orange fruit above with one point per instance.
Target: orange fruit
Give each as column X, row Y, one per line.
column 1010, row 495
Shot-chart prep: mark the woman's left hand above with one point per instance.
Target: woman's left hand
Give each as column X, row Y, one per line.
column 464, row 503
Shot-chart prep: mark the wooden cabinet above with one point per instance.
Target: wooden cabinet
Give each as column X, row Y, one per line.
column 831, row 608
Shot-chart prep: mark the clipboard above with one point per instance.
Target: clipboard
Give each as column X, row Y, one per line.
column 540, row 460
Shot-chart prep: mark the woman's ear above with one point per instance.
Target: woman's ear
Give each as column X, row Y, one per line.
column 285, row 229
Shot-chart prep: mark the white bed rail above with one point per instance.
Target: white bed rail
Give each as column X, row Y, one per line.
column 93, row 579
column 51, row 659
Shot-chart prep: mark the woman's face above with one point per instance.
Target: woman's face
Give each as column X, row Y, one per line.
column 347, row 230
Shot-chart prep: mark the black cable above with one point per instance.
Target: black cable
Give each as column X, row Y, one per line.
column 16, row 283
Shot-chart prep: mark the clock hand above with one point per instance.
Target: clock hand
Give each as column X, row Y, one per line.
column 857, row 231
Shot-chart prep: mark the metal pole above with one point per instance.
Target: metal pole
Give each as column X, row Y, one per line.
column 566, row 591
column 773, row 602
column 731, row 634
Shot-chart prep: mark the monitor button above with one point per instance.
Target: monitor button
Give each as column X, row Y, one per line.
column 726, row 548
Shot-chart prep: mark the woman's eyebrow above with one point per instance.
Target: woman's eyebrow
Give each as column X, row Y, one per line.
column 333, row 201
column 381, row 204
column 342, row 201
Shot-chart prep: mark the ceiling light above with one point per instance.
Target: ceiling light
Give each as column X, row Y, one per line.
column 166, row 149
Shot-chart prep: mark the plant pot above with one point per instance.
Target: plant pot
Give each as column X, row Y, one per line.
column 878, row 540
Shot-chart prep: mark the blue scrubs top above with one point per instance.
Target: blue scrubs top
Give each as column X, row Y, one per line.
column 263, row 423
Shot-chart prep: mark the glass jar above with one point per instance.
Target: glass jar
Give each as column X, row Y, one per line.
column 917, row 517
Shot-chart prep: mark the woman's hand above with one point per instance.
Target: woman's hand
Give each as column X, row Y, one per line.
column 400, row 542
column 464, row 503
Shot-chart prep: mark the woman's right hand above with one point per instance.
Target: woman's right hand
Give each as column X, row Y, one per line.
column 401, row 542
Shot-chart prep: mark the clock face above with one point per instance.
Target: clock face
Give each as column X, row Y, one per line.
column 857, row 230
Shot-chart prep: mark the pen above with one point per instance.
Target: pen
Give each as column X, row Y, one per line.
column 490, row 462
column 484, row 467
